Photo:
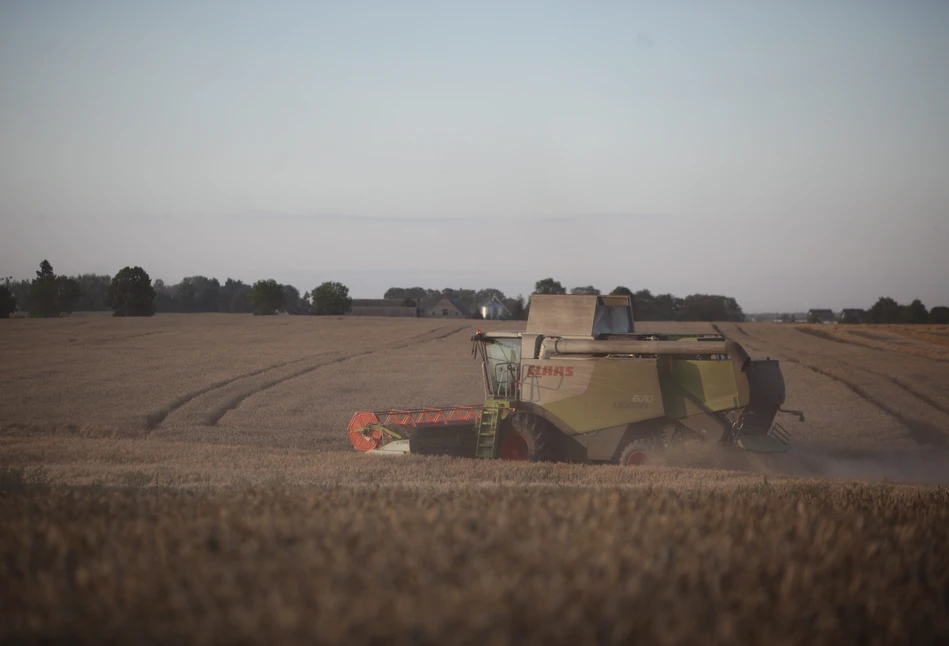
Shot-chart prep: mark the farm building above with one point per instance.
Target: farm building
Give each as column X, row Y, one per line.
column 382, row 307
column 449, row 307
column 821, row 316
column 852, row 315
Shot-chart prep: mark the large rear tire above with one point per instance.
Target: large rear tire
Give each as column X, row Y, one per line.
column 529, row 438
column 652, row 440
column 640, row 451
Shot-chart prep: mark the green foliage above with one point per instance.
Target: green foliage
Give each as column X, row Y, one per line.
column 647, row 307
column 94, row 290
column 68, row 293
column 164, row 296
column 622, row 291
column 266, row 296
column 7, row 300
column 517, row 308
column 21, row 292
column 198, row 294
column 885, row 310
column 589, row 289
column 234, row 297
column 52, row 295
column 330, row 299
column 939, row 315
column 291, row 298
column 131, row 293
column 915, row 312
column 203, row 294
column 424, row 298
column 549, row 286
column 43, row 300
column 709, row 307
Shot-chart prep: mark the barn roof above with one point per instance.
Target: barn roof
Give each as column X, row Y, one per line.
column 823, row 315
column 457, row 304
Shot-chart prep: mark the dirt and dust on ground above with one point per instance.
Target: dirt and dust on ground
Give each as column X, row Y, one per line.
column 928, row 466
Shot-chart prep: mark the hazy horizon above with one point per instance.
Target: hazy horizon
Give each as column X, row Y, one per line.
column 791, row 156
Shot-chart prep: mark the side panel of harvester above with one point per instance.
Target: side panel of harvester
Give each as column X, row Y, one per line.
column 584, row 395
column 694, row 386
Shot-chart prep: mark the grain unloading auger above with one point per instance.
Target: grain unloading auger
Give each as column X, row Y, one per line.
column 580, row 385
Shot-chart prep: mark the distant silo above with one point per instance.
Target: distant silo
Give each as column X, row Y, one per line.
column 493, row 310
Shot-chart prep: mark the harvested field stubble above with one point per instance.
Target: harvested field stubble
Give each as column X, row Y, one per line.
column 809, row 563
column 188, row 478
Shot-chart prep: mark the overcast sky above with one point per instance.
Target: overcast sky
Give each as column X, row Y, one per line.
column 791, row 154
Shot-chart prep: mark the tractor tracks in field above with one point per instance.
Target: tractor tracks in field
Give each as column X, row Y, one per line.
column 216, row 415
column 919, row 430
column 152, row 420
column 222, row 403
column 910, row 350
column 912, row 391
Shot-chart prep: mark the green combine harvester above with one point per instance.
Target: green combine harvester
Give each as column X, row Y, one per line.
column 579, row 384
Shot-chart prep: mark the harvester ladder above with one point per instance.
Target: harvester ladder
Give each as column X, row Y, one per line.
column 488, row 424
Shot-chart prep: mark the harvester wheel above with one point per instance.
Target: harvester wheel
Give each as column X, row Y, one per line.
column 640, row 451
column 529, row 438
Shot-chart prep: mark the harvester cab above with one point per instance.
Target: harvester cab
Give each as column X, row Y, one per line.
column 580, row 384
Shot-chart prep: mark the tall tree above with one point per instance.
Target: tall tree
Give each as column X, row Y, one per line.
column 7, row 300
column 589, row 289
column 622, row 291
column 165, row 297
column 291, row 298
column 331, row 298
column 95, row 292
column 267, row 297
column 131, row 293
column 709, row 307
column 21, row 292
column 516, row 307
column 549, row 286
column 232, row 297
column 43, row 292
column 68, row 293
column 198, row 294
column 667, row 307
column 939, row 315
column 915, row 312
column 885, row 310
column 645, row 307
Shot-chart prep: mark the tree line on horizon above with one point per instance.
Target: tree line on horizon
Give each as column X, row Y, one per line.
column 131, row 292
column 887, row 310
column 646, row 306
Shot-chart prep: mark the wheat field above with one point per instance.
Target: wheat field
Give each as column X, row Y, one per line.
column 188, row 478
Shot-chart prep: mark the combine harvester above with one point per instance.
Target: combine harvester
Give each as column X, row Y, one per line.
column 580, row 385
